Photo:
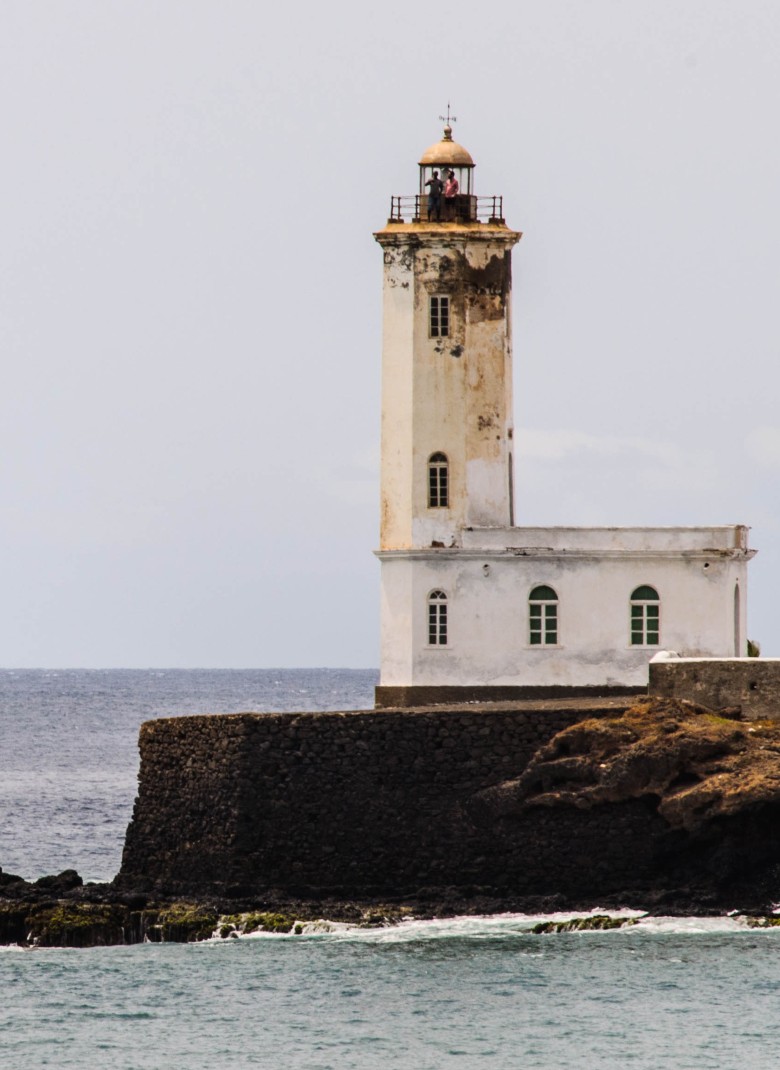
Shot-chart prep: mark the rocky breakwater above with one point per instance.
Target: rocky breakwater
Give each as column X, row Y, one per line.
column 61, row 911
column 274, row 821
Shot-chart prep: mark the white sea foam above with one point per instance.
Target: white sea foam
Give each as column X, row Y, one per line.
column 691, row 926
column 498, row 926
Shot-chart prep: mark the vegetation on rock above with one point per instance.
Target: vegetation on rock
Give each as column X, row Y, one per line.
column 259, row 921
column 183, row 922
column 576, row 925
column 699, row 766
column 75, row 925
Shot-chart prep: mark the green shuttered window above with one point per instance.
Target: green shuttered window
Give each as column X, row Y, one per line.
column 645, row 616
column 543, row 616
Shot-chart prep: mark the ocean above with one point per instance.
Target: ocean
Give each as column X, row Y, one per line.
column 424, row 995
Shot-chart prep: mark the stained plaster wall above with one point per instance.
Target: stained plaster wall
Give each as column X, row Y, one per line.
column 452, row 394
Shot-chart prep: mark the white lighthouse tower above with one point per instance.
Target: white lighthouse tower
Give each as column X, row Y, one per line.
column 447, row 364
column 472, row 606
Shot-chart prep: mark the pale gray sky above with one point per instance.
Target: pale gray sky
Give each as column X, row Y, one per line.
column 190, row 298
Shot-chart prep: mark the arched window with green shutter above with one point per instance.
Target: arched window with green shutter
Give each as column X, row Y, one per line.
column 543, row 616
column 645, row 616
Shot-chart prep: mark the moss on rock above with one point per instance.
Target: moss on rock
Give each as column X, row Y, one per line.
column 184, row 923
column 267, row 922
column 75, row 925
column 576, row 925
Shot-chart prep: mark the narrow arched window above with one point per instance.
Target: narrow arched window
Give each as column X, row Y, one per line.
column 438, row 481
column 543, row 616
column 645, row 616
column 437, row 618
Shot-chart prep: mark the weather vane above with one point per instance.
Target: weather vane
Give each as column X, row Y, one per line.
column 448, row 118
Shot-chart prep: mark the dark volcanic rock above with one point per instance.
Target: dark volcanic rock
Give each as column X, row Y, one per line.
column 61, row 882
column 8, row 878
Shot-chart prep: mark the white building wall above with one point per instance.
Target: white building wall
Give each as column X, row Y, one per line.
column 488, row 616
column 398, row 619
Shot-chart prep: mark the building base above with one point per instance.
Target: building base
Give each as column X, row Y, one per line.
column 449, row 694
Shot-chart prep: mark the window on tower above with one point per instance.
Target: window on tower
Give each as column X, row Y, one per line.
column 543, row 616
column 439, row 317
column 438, row 481
column 645, row 616
column 437, row 618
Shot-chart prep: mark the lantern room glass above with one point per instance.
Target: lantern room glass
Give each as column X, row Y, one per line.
column 463, row 174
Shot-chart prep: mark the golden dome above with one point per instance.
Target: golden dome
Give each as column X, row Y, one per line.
column 446, row 153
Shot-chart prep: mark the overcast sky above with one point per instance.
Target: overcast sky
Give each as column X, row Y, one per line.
column 190, row 298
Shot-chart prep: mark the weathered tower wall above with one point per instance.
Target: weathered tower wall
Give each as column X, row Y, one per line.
column 450, row 394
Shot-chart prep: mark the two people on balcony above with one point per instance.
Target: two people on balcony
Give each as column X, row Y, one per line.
column 450, row 189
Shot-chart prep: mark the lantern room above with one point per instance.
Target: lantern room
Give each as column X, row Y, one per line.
column 447, row 155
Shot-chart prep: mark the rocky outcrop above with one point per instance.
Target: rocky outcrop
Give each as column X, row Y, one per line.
column 709, row 787
column 61, row 911
column 695, row 765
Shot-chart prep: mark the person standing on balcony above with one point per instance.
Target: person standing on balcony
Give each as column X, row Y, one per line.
column 451, row 190
column 434, row 196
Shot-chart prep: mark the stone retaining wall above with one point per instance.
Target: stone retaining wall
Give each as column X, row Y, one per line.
column 366, row 803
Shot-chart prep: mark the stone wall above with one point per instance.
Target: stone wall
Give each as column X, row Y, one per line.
column 383, row 802
column 750, row 686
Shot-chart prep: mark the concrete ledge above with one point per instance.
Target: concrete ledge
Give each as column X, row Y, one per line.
column 447, row 694
column 749, row 685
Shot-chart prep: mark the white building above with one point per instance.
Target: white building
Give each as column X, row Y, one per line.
column 472, row 606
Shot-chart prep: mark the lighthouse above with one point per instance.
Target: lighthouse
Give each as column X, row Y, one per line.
column 473, row 606
column 447, row 362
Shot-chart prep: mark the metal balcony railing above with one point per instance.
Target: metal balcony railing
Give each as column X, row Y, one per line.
column 467, row 209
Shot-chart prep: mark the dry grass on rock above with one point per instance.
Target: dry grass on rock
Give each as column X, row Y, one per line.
column 698, row 764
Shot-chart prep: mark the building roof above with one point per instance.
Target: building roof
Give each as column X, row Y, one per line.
column 446, row 153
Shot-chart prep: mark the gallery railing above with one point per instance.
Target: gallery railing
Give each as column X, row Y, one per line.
column 466, row 209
